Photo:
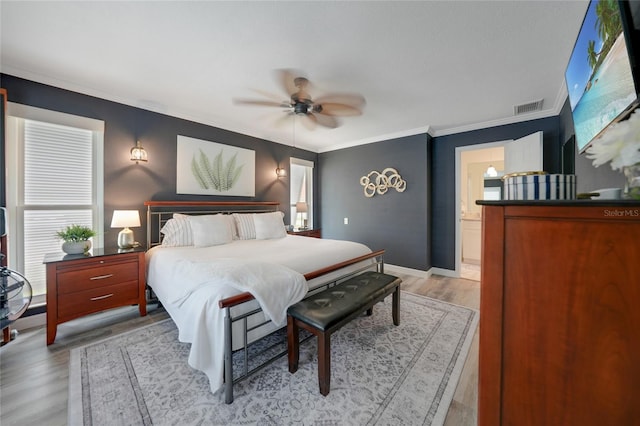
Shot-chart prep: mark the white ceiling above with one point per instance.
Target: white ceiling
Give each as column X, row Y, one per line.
column 437, row 66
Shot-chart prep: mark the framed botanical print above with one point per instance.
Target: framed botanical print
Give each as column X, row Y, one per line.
column 210, row 168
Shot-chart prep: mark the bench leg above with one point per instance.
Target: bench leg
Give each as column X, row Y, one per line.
column 324, row 362
column 395, row 309
column 293, row 344
column 369, row 312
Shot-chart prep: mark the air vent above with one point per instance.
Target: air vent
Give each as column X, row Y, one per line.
column 528, row 107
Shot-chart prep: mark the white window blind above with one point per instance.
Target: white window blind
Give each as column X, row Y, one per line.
column 58, row 163
column 54, row 180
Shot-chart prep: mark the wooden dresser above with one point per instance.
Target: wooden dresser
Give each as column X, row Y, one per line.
column 560, row 313
column 79, row 285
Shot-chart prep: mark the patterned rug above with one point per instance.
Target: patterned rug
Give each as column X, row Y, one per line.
column 380, row 374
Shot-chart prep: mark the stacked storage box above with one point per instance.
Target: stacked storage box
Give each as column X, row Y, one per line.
column 539, row 186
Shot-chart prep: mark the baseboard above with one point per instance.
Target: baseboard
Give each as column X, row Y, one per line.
column 445, row 272
column 32, row 321
column 408, row 271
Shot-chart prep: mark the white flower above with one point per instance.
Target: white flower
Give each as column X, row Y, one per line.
column 619, row 144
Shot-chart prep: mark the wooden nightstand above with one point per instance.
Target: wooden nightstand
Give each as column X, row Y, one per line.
column 315, row 233
column 78, row 285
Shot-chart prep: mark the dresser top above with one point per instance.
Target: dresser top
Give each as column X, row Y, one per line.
column 562, row 203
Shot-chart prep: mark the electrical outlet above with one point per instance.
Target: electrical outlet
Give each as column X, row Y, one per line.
column 346, row 220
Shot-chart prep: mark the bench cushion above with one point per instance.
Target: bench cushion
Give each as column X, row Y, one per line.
column 327, row 308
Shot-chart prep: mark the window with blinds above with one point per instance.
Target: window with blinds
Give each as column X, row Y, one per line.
column 56, row 183
column 301, row 187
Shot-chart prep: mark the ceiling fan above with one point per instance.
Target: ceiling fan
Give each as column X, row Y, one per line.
column 321, row 111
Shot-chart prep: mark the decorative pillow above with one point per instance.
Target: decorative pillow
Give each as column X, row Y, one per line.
column 245, row 226
column 210, row 230
column 177, row 232
column 269, row 226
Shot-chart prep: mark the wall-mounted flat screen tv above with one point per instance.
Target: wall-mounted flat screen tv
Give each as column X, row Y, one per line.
column 599, row 77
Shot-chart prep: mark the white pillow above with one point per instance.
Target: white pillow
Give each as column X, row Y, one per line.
column 269, row 226
column 245, row 226
column 210, row 230
column 232, row 225
column 177, row 232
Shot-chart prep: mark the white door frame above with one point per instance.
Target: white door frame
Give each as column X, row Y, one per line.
column 459, row 150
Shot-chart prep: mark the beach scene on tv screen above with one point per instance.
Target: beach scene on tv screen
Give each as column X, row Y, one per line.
column 599, row 78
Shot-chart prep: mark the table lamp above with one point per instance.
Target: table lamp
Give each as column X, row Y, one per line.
column 125, row 219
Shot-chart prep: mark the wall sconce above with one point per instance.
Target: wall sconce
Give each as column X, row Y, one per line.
column 281, row 172
column 125, row 219
column 138, row 153
column 491, row 171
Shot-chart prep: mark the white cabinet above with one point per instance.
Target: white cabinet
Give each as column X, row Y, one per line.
column 471, row 240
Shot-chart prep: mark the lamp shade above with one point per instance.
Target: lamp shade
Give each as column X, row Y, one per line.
column 125, row 219
column 301, row 207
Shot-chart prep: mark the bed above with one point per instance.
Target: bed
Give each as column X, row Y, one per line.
column 226, row 272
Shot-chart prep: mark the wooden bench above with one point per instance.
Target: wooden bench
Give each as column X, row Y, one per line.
column 326, row 312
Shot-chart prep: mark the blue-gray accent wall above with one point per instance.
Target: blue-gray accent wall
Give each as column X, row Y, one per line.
column 395, row 221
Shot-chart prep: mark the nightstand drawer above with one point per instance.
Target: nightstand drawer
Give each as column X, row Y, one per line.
column 85, row 302
column 81, row 279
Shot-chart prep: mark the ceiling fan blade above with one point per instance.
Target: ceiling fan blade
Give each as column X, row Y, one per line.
column 295, row 84
column 282, row 120
column 286, row 78
column 257, row 102
column 302, row 96
column 326, row 120
column 274, row 97
column 309, row 121
column 341, row 110
column 352, row 99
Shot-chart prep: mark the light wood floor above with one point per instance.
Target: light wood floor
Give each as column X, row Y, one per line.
column 34, row 377
column 464, row 407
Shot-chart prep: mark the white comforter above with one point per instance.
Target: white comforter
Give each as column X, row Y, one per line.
column 191, row 281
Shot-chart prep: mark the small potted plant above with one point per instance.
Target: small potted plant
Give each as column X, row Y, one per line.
column 76, row 239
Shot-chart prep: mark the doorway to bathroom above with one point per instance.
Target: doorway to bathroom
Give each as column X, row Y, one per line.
column 474, row 179
column 478, row 173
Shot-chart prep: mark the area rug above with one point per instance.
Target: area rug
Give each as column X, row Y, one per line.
column 380, row 374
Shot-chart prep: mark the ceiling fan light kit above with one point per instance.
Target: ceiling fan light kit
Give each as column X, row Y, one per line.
column 322, row 111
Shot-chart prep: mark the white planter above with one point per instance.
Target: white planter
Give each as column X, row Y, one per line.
column 76, row 247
